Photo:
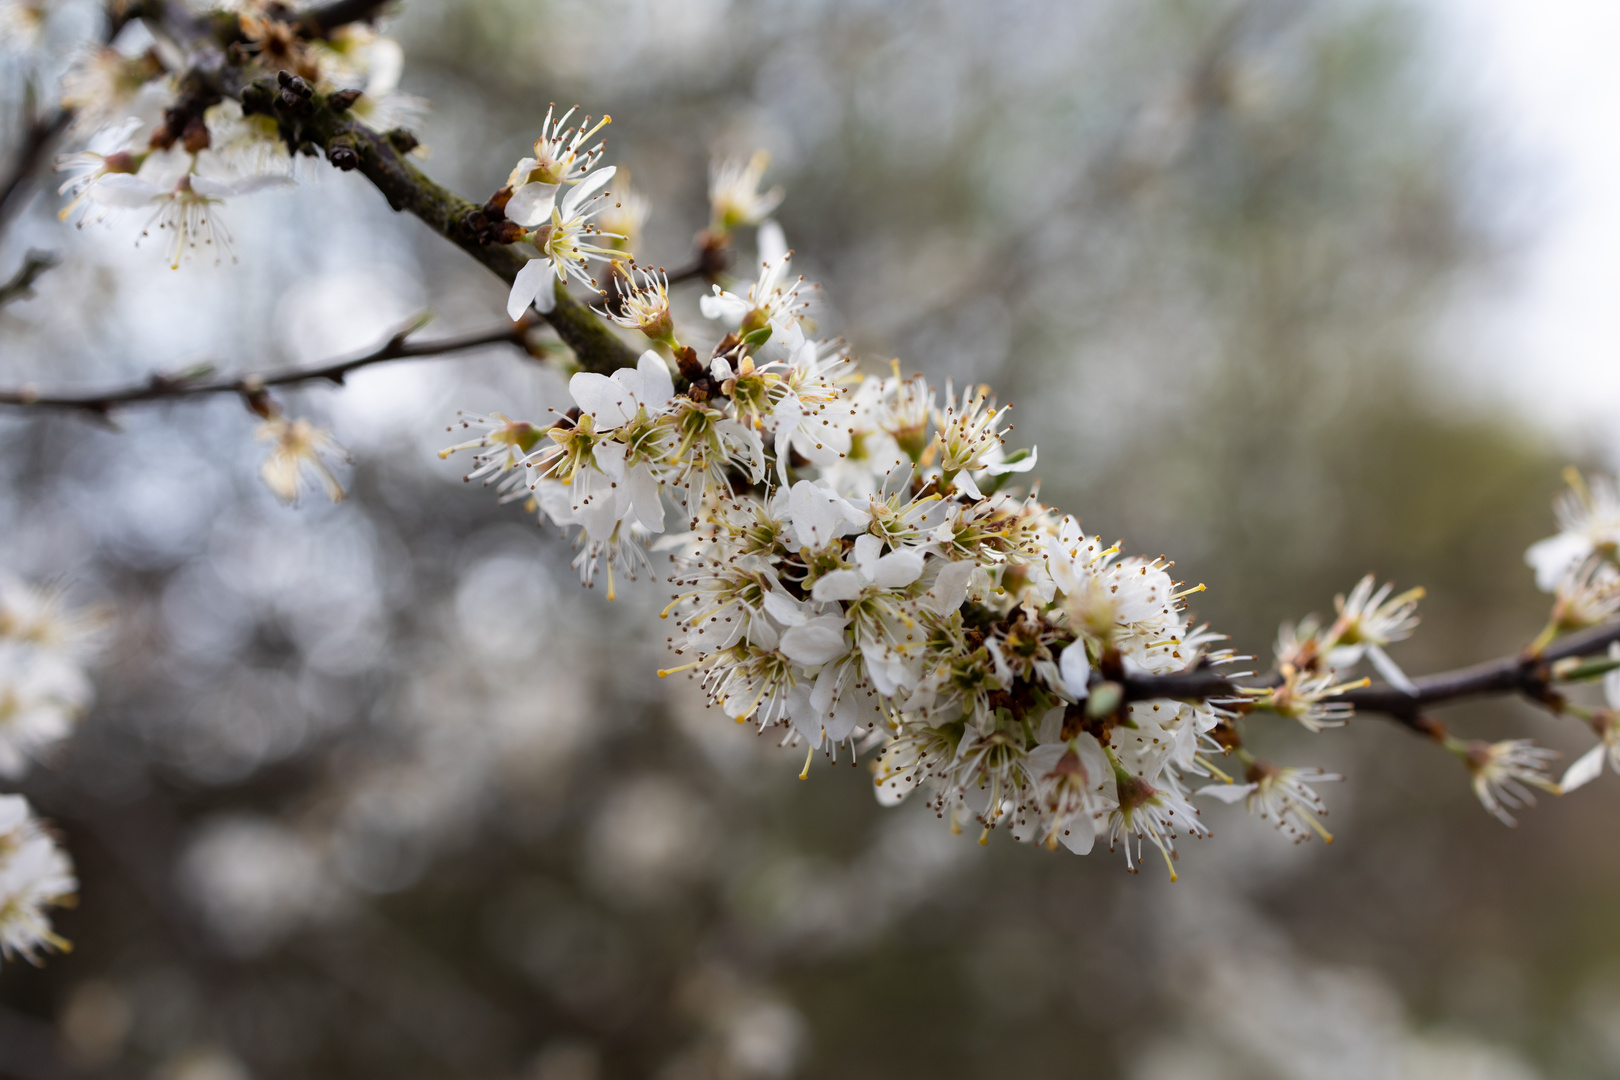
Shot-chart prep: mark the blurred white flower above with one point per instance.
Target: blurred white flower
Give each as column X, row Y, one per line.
column 734, row 196
column 187, row 208
column 1283, row 796
column 34, row 875
column 1589, row 514
column 1503, row 773
column 299, row 450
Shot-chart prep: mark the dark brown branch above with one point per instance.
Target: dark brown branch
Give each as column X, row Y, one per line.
column 322, row 19
column 171, row 387
column 21, row 284
column 1529, row 676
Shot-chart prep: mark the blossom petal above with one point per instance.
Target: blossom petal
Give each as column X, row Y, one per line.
column 534, row 276
column 1391, row 671
column 1079, row 835
column 867, row 549
column 1583, row 770
column 784, row 608
column 898, row 569
column 838, row 585
column 1227, row 793
column 816, row 642
column 950, row 587
column 1076, row 669
column 583, row 191
column 1023, row 464
column 656, row 385
column 1051, row 729
column 124, row 189
column 530, row 204
column 223, row 189
column 608, row 401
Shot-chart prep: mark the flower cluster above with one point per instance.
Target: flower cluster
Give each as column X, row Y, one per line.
column 853, row 569
column 150, row 146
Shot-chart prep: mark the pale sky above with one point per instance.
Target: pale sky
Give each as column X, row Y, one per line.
column 1546, row 74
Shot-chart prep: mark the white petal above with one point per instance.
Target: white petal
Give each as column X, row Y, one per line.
column 816, row 642
column 535, row 276
column 1583, row 770
column 723, row 306
column 607, row 400
column 773, row 249
column 609, row 457
column 720, row 370
column 838, row 585
column 845, row 716
column 964, row 484
column 595, row 503
column 1391, row 671
column 1551, row 558
column 826, row 688
column 531, row 204
column 867, row 548
column 581, row 192
column 645, row 498
column 1051, row 729
column 784, row 608
column 1079, row 834
column 1226, row 793
column 545, row 301
column 202, row 185
column 1076, row 669
column 1022, row 465
column 950, row 587
column 656, row 384
column 124, row 189
column 898, row 569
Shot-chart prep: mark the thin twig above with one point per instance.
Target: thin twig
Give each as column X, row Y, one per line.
column 1527, row 675
column 195, row 383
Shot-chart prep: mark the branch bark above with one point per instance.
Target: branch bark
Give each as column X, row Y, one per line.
column 170, row 387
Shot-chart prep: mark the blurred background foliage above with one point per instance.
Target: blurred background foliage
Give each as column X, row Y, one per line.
column 375, row 790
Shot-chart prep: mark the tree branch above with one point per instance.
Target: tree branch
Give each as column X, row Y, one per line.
column 196, row 383
column 322, row 19
column 41, row 134
column 1530, row 676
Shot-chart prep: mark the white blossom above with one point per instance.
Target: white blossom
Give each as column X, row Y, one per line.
column 565, row 244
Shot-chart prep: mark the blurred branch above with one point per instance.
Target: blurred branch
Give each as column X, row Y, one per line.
column 1531, row 676
column 21, row 284
column 322, row 19
column 44, row 130
column 41, row 134
column 196, row 382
